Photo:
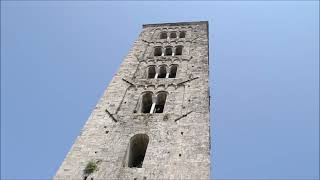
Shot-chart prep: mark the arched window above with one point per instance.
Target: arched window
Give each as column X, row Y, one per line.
column 182, row 34
column 158, row 51
column 168, row 51
column 146, row 102
column 179, row 50
column 162, row 71
column 137, row 150
column 173, row 35
column 173, row 71
column 151, row 72
column 163, row 35
column 161, row 100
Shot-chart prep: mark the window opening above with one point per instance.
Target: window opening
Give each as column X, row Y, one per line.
column 182, row 34
column 168, row 51
column 179, row 50
column 157, row 51
column 146, row 102
column 137, row 150
column 173, row 35
column 163, row 35
column 151, row 72
column 173, row 71
column 162, row 72
column 161, row 100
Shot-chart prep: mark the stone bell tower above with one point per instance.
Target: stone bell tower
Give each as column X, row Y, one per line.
column 152, row 122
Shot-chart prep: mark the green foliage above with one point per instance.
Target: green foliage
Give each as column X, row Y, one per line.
column 90, row 168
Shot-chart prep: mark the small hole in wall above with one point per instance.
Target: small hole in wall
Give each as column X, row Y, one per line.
column 179, row 155
column 107, row 132
column 104, row 126
column 144, row 178
column 91, row 178
column 189, row 100
column 134, row 178
column 181, row 133
column 188, row 85
column 134, row 111
column 125, row 102
column 95, row 152
column 85, row 178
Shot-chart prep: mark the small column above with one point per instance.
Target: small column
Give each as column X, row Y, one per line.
column 152, row 108
column 167, row 71
column 157, row 72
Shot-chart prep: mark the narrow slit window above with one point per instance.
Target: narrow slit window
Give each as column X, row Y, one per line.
column 173, row 71
column 163, row 35
column 173, row 35
column 137, row 150
column 179, row 50
column 182, row 34
column 158, row 51
column 161, row 100
column 151, row 72
column 162, row 71
column 168, row 51
column 146, row 102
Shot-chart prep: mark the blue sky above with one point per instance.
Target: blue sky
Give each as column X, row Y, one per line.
column 58, row 57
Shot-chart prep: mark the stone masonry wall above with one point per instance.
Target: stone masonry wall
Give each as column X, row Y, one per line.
column 179, row 138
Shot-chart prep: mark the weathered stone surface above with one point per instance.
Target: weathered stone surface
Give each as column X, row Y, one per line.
column 179, row 138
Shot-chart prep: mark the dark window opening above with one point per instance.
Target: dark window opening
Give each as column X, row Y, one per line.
column 163, row 35
column 146, row 102
column 151, row 72
column 179, row 50
column 157, row 51
column 161, row 100
column 162, row 72
column 137, row 150
column 173, row 35
column 173, row 71
column 168, row 51
column 182, row 34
